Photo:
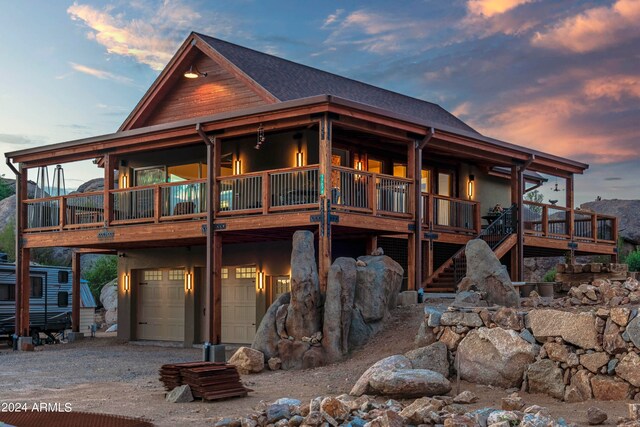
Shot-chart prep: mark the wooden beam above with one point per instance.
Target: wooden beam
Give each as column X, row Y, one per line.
column 324, row 232
column 25, row 291
column 569, row 191
column 414, row 249
column 371, row 244
column 75, row 291
column 216, row 290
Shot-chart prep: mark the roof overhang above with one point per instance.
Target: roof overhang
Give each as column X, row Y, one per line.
column 446, row 139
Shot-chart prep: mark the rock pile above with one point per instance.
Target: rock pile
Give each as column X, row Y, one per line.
column 305, row 329
column 364, row 411
column 599, row 292
column 570, row 355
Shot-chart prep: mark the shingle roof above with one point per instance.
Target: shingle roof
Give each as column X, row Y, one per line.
column 288, row 80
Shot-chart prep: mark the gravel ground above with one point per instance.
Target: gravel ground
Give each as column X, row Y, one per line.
column 107, row 376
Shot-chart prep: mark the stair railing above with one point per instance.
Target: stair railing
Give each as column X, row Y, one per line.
column 495, row 233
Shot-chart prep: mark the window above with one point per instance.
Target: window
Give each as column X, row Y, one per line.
column 425, row 184
column 149, row 176
column 189, row 172
column 374, row 166
column 152, row 275
column 445, row 184
column 176, row 274
column 282, row 285
column 7, row 292
column 63, row 276
column 400, row 169
column 245, row 273
column 36, row 286
column 63, row 299
column 224, row 273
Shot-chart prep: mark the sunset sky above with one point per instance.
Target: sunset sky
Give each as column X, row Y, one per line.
column 560, row 76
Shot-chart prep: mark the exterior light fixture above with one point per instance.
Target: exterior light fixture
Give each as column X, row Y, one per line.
column 237, row 167
column 260, row 280
column 194, row 73
column 124, row 181
column 126, row 282
column 470, row 186
column 359, row 165
column 189, row 281
column 299, row 159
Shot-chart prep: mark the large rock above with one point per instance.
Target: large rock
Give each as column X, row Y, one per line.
column 612, row 341
column 407, row 383
column 338, row 307
column 377, row 286
column 460, row 318
column 545, row 377
column 425, row 335
column 387, row 364
column 579, row 390
column 576, row 328
column 303, row 317
column 609, row 388
column 360, row 331
column 292, row 353
column 561, row 353
column 629, row 369
column 109, row 295
column 633, row 331
column 494, row 357
column 486, row 274
column 266, row 338
column 180, row 394
column 247, row 360
column 594, row 361
column 433, row 357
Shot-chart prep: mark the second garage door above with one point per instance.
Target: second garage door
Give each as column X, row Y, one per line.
column 161, row 305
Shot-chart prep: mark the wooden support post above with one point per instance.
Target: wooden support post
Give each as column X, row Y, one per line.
column 429, row 258
column 265, row 193
column 324, row 232
column 75, row 292
column 23, row 257
column 414, row 258
column 517, row 186
column 157, row 204
column 570, row 213
column 217, row 288
column 371, row 244
column 25, row 291
column 109, row 163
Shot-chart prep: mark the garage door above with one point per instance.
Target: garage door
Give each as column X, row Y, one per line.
column 238, row 304
column 161, row 305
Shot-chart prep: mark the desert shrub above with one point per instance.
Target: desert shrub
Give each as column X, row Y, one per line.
column 633, row 260
column 104, row 270
column 550, row 276
column 8, row 240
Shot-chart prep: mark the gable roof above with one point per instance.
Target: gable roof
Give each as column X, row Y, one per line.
column 288, row 80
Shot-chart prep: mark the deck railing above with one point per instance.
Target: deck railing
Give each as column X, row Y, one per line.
column 83, row 210
column 563, row 223
column 134, row 204
column 43, row 213
column 293, row 187
column 447, row 213
column 180, row 199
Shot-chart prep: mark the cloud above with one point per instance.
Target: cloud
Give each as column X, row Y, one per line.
column 333, row 17
column 15, row 139
column 593, row 29
column 151, row 38
column 101, row 74
column 489, row 8
column 615, row 87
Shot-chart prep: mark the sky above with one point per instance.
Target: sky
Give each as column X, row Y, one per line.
column 559, row 76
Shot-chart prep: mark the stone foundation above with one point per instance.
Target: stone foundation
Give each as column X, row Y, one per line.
column 570, row 275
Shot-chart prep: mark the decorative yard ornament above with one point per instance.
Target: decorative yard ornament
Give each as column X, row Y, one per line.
column 261, row 139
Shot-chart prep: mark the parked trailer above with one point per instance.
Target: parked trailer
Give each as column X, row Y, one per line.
column 49, row 302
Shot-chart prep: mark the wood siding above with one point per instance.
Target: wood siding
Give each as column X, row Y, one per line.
column 219, row 92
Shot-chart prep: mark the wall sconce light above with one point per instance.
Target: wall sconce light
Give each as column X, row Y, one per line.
column 237, row 167
column 126, row 282
column 194, row 73
column 299, row 159
column 470, row 185
column 359, row 165
column 260, row 280
column 124, row 181
column 188, row 277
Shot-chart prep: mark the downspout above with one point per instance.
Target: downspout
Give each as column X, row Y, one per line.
column 209, row 248
column 418, row 207
column 18, row 250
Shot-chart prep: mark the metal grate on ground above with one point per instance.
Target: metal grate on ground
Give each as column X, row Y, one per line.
column 69, row 419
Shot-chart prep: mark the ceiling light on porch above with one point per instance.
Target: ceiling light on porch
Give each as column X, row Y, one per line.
column 359, row 165
column 194, row 73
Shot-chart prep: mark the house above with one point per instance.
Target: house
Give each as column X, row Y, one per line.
column 232, row 150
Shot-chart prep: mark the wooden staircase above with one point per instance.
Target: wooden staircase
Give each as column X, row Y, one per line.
column 500, row 236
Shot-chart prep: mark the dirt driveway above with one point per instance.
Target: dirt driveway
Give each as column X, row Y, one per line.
column 103, row 375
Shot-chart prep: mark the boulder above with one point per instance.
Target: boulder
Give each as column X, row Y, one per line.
column 620, row 315
column 432, row 357
column 425, row 335
column 389, row 363
column 468, row 299
column 494, row 357
column 274, row 363
column 314, row 357
column 335, row 408
column 291, row 352
column 612, row 341
column 277, row 412
column 596, row 416
column 303, row 316
column 545, row 377
column 266, row 338
column 281, row 321
column 109, row 295
column 594, row 361
column 561, row 353
column 508, row 318
column 465, row 398
column 629, row 369
column 450, row 338
column 405, row 383
column 486, row 274
column 576, row 328
column 377, row 287
column 359, row 330
column 247, row 360
column 609, row 388
column 180, row 394
column 460, row 318
column 579, row 390
column 338, row 307
column 407, row 298
column 633, row 331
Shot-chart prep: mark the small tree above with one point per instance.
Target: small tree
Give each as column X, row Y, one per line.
column 103, row 271
column 5, row 189
column 536, row 197
column 633, row 260
column 8, row 240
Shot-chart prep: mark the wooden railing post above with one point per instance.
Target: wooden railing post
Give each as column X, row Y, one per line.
column 545, row 221
column 157, row 201
column 594, row 227
column 265, row 193
column 430, row 216
column 108, row 186
column 62, row 209
column 373, row 196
